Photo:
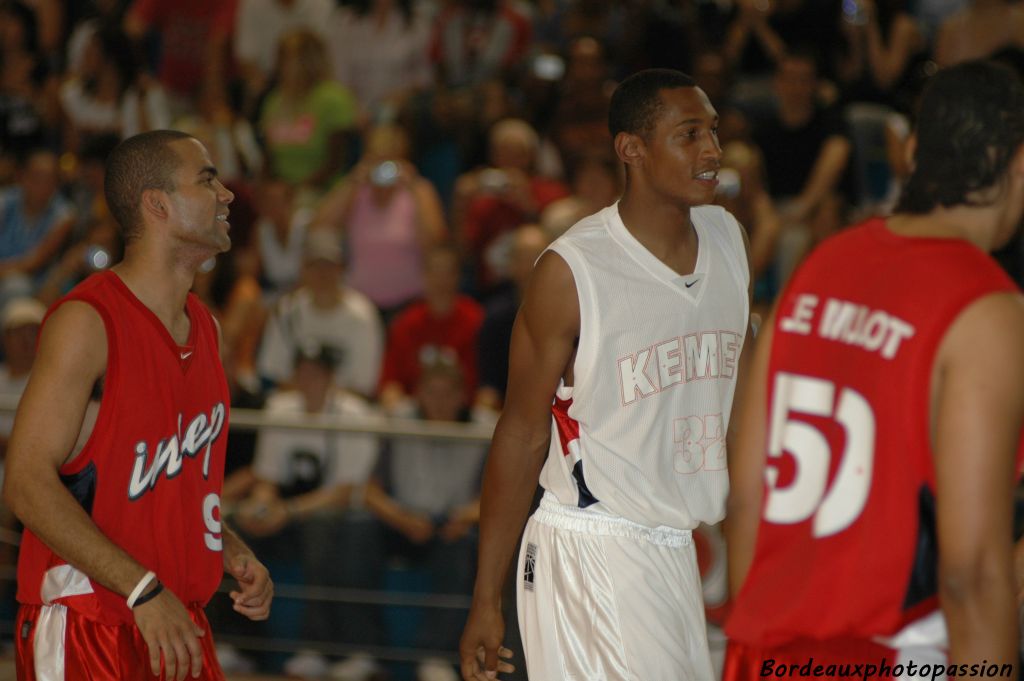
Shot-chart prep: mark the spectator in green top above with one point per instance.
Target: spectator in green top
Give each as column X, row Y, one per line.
column 307, row 117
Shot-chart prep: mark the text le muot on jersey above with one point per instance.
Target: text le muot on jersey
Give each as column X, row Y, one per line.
column 846, row 322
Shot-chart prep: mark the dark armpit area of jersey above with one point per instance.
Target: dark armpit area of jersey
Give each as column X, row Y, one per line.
column 82, row 486
column 924, row 574
column 97, row 389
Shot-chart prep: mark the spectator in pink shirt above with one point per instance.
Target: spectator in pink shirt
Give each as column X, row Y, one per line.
column 390, row 217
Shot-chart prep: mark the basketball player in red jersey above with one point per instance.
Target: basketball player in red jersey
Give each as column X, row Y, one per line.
column 879, row 442
column 123, row 542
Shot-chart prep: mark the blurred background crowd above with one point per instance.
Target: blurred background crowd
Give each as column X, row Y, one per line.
column 398, row 166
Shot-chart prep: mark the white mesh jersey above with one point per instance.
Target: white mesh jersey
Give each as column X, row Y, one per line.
column 641, row 434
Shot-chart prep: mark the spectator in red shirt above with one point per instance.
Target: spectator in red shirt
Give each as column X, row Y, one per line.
column 194, row 36
column 444, row 324
column 477, row 40
column 491, row 202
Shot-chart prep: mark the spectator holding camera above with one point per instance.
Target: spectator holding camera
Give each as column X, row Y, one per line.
column 492, row 201
column 390, row 216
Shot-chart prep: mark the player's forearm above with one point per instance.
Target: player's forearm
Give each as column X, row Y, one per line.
column 45, row 506
column 740, row 531
column 233, row 545
column 510, row 480
column 981, row 612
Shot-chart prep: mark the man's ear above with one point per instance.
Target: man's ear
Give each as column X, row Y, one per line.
column 154, row 203
column 630, row 148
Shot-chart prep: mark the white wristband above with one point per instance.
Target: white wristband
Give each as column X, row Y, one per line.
column 140, row 587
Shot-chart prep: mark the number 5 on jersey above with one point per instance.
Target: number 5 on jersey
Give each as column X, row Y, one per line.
column 833, row 508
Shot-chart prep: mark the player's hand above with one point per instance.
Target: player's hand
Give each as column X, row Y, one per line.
column 480, row 648
column 255, row 588
column 168, row 630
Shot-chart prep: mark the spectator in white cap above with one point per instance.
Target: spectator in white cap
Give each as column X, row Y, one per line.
column 326, row 311
column 20, row 321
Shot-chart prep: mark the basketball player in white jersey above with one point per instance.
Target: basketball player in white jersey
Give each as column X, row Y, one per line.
column 623, row 365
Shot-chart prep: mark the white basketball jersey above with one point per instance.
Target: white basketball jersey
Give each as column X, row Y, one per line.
column 641, row 434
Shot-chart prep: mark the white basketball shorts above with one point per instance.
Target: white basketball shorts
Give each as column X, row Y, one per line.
column 604, row 599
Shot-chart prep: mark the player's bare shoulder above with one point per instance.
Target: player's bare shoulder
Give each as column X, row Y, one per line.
column 994, row 322
column 551, row 299
column 74, row 337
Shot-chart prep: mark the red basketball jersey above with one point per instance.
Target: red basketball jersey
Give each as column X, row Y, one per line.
column 150, row 475
column 846, row 546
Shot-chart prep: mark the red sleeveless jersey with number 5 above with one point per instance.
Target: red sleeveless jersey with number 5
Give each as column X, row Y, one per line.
column 846, row 546
column 150, row 475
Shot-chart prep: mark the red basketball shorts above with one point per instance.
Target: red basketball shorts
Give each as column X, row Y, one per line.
column 55, row 643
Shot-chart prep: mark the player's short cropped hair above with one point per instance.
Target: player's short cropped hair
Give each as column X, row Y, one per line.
column 141, row 162
column 637, row 101
column 969, row 126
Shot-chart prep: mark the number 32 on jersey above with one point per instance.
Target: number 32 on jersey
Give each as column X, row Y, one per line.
column 808, row 495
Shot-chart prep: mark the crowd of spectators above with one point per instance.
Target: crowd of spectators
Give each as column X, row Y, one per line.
column 398, row 166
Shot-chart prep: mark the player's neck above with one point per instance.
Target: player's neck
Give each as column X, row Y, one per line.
column 979, row 226
column 662, row 228
column 161, row 286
